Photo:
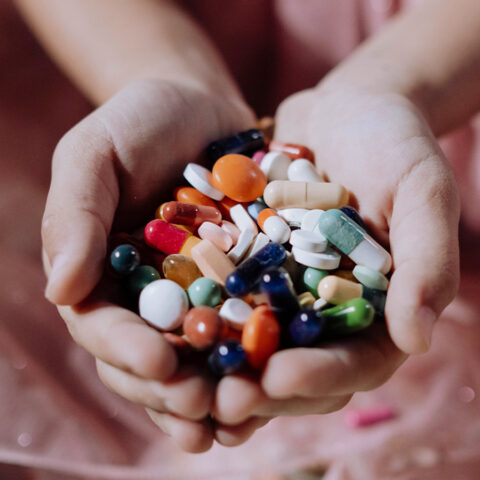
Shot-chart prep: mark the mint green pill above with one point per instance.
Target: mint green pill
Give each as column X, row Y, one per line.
column 204, row 291
column 312, row 277
column 370, row 278
column 140, row 278
column 349, row 317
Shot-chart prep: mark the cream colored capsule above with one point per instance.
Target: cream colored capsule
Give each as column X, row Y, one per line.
column 322, row 195
column 337, row 290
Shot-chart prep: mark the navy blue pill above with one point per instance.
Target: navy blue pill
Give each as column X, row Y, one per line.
column 355, row 216
column 124, row 259
column 244, row 142
column 246, row 276
column 377, row 298
column 306, row 328
column 226, row 358
column 255, row 208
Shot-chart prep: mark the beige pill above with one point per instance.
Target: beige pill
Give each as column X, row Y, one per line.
column 337, row 290
column 212, row 262
column 322, row 195
column 306, row 300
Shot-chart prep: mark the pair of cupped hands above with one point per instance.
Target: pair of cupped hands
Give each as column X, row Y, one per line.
column 114, row 167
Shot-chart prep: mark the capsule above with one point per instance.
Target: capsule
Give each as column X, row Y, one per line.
column 192, row 195
column 306, row 328
column 354, row 241
column 313, row 195
column 355, row 216
column 190, row 214
column 349, row 317
column 302, row 170
column 273, row 225
column 244, row 142
column 255, row 208
column 244, row 278
column 293, row 150
column 168, row 238
column 226, row 358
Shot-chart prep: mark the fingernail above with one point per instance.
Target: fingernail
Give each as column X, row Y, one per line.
column 426, row 319
column 59, row 264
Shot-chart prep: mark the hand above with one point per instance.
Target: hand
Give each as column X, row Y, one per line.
column 381, row 149
column 113, row 168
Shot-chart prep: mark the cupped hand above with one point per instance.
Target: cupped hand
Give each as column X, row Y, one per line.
column 112, row 169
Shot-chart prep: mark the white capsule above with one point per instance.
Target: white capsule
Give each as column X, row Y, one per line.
column 302, row 170
column 201, row 179
column 310, row 220
column 309, row 241
column 328, row 260
column 293, row 216
column 275, row 166
column 242, row 219
column 371, row 254
column 319, row 304
column 240, row 249
column 260, row 241
column 276, row 229
column 235, row 312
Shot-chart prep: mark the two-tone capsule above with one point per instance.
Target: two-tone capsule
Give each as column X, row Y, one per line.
column 273, row 225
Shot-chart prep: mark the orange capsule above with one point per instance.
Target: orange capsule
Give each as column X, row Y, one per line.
column 225, row 205
column 260, row 336
column 192, row 195
column 239, row 177
column 292, row 150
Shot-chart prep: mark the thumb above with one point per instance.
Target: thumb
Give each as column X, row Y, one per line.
column 80, row 207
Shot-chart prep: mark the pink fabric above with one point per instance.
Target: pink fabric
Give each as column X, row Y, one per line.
column 59, row 419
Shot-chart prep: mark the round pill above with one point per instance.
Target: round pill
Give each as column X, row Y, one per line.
column 204, row 291
column 302, row 170
column 239, row 178
column 327, row 260
column 124, row 259
column 163, row 304
column 309, row 241
column 201, row 179
column 275, row 166
column 370, row 278
column 140, row 278
column 226, row 358
column 236, row 312
column 312, row 277
column 202, row 327
column 306, row 328
column 310, row 220
column 293, row 216
column 180, row 269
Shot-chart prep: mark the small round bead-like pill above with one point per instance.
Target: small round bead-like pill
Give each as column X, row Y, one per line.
column 275, row 166
column 302, row 170
column 349, row 317
column 163, row 304
column 216, row 235
column 180, row 269
column 312, row 277
column 242, row 142
column 190, row 214
column 231, row 229
column 310, row 220
column 201, row 179
column 242, row 219
column 260, row 336
column 306, row 328
column 293, row 150
column 140, row 278
column 202, row 326
column 204, row 291
column 236, row 312
column 226, row 358
column 273, row 225
column 124, row 259
column 327, row 260
column 192, row 195
column 336, row 290
column 239, row 178
column 309, row 241
column 370, row 278
column 240, row 249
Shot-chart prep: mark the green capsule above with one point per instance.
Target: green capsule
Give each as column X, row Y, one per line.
column 204, row 291
column 312, row 277
column 349, row 317
column 140, row 278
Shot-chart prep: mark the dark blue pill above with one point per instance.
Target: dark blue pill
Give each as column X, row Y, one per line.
column 243, row 142
column 306, row 328
column 355, row 216
column 124, row 259
column 226, row 358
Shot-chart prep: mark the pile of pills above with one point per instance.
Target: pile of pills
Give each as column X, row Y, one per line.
column 249, row 258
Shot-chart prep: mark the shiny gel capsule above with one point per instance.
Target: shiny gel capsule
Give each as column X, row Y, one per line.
column 190, row 214
column 306, row 328
column 226, row 358
column 353, row 240
column 349, row 317
column 244, row 278
column 243, row 142
column 355, row 216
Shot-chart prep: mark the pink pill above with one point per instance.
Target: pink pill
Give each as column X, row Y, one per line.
column 257, row 157
column 231, row 229
column 364, row 417
column 218, row 236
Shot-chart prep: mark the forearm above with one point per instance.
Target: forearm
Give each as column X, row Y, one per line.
column 430, row 54
column 106, row 44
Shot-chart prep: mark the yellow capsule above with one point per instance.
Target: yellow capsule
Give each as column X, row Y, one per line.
column 337, row 290
column 306, row 300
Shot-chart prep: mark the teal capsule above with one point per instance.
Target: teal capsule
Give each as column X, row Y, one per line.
column 370, row 278
column 204, row 291
column 312, row 277
column 349, row 317
column 140, row 278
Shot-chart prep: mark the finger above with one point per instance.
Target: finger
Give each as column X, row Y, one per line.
column 187, row 394
column 231, row 436
column 424, row 243
column 191, row 436
column 78, row 215
column 120, row 338
column 354, row 364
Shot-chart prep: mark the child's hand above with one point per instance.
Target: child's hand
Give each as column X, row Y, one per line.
column 115, row 166
column 381, row 149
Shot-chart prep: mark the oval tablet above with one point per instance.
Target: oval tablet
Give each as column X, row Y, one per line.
column 309, row 241
column 328, row 260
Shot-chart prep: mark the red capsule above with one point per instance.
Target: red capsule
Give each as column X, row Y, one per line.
column 168, row 238
column 293, row 150
column 190, row 214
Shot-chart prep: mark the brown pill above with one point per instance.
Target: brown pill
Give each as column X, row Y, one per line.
column 190, row 214
column 202, row 326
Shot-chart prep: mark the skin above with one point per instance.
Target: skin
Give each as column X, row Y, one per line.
column 376, row 112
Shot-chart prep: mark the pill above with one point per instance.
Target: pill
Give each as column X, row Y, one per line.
column 257, row 157
column 293, row 216
column 202, row 326
column 312, row 277
column 231, row 229
column 293, row 150
column 163, row 304
column 310, row 220
column 190, row 214
column 228, row 333
column 244, row 278
column 273, row 225
column 201, row 179
column 364, row 417
column 319, row 304
column 275, row 166
column 168, row 238
column 242, row 142
column 309, row 241
column 140, row 278
column 160, row 216
column 242, row 219
column 260, row 336
column 338, row 290
column 238, row 177
column 352, row 240
column 255, row 208
column 218, row 236
column 235, row 312
column 306, row 300
column 306, row 328
column 241, row 248
column 355, row 216
column 327, row 260
column 192, row 195
column 124, row 259
column 204, row 291
column 180, row 269
column 260, row 241
column 320, row 195
column 226, row 358
column 212, row 262
column 302, row 170
column 349, row 317
column 224, row 205
column 370, row 278
column 344, row 273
